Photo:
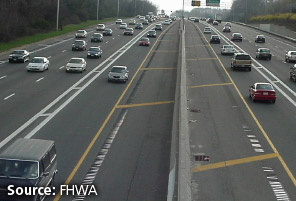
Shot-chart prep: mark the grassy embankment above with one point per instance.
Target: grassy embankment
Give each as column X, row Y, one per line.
column 38, row 37
column 285, row 19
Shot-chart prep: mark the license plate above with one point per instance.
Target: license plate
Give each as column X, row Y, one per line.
column 265, row 93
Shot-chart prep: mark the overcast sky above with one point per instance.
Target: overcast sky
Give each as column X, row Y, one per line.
column 172, row 5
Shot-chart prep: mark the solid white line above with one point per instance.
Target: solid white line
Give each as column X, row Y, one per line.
column 9, row 96
column 3, row 62
column 46, row 120
column 3, row 77
column 40, row 79
column 61, row 67
column 64, row 50
column 265, row 69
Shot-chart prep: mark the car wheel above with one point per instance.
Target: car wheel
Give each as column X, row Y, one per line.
column 233, row 68
column 256, row 57
column 285, row 59
column 288, row 60
column 250, row 69
column 24, row 60
column 269, row 58
column 294, row 79
column 273, row 101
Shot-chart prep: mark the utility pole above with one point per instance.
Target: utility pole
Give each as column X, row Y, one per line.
column 58, row 13
column 98, row 4
column 135, row 7
column 183, row 16
column 117, row 8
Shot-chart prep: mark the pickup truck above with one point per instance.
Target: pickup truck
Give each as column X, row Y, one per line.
column 241, row 60
column 293, row 73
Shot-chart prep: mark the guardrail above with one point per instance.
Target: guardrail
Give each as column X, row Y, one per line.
column 179, row 185
column 270, row 32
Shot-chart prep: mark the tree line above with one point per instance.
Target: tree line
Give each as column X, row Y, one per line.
column 27, row 17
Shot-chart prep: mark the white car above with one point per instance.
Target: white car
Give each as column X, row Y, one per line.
column 81, row 34
column 166, row 22
column 38, row 64
column 290, row 56
column 100, row 27
column 227, row 49
column 207, row 30
column 118, row 73
column 118, row 21
column 123, row 26
column 76, row 65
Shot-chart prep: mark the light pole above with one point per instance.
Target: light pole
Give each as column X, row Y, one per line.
column 183, row 16
column 117, row 8
column 98, row 4
column 58, row 13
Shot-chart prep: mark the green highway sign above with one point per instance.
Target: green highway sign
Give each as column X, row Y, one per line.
column 195, row 3
column 213, row 3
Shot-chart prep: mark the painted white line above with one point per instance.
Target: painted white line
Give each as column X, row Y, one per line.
column 61, row 67
column 3, row 77
column 49, row 57
column 107, row 41
column 51, row 45
column 3, row 62
column 45, row 115
column 259, row 150
column 113, row 38
column 265, row 69
column 9, row 96
column 40, row 79
column 256, row 145
column 251, row 136
column 254, row 140
column 64, row 50
column 46, row 120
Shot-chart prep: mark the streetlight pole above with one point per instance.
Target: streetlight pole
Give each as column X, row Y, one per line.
column 58, row 13
column 183, row 16
column 117, row 8
column 98, row 4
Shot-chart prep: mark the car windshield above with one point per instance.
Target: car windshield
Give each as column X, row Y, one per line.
column 107, row 30
column 228, row 46
column 37, row 60
column 215, row 36
column 96, row 35
column 293, row 53
column 117, row 70
column 76, row 61
column 78, row 43
column 237, row 35
column 123, row 24
column 95, row 49
column 129, row 29
column 144, row 39
column 19, row 169
column 18, row 52
column 265, row 50
column 264, row 86
column 260, row 36
column 100, row 25
column 243, row 57
column 81, row 31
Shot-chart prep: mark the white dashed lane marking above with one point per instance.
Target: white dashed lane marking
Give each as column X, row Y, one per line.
column 3, row 77
column 9, row 96
column 40, row 79
column 61, row 67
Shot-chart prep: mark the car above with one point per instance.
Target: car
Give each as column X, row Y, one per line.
column 81, row 34
column 216, row 23
column 101, row 27
column 293, row 73
column 107, row 32
column 38, row 64
column 166, row 22
column 158, row 27
column 132, row 22
column 139, row 26
column 228, row 24
column 236, row 37
column 79, row 45
column 196, row 20
column 96, row 37
column 260, row 39
column 119, row 74
column 94, row 52
column 128, row 31
column 215, row 39
column 290, row 56
column 151, row 33
column 28, row 163
column 227, row 49
column 241, row 60
column 123, row 26
column 262, row 91
column 76, row 65
column 118, row 21
column 226, row 29
column 207, row 30
column 144, row 41
column 263, row 53
column 19, row 55
column 145, row 22
column 191, row 19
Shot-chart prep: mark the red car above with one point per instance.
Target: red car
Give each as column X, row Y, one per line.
column 144, row 41
column 262, row 91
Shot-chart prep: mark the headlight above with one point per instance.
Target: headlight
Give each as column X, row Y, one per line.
column 88, row 53
column 97, row 54
column 10, row 56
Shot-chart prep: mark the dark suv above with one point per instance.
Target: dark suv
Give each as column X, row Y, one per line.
column 19, row 55
column 79, row 45
column 260, row 39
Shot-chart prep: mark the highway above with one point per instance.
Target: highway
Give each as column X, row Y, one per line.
column 241, row 150
column 80, row 111
column 117, row 136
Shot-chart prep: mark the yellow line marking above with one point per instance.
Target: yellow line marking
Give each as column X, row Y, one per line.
column 72, row 174
column 209, row 85
column 196, row 46
column 158, row 68
column 198, row 59
column 254, row 117
column 234, row 162
column 165, row 51
column 144, row 104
